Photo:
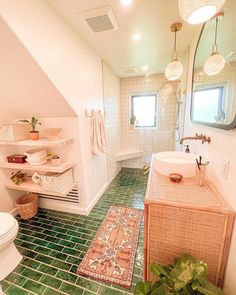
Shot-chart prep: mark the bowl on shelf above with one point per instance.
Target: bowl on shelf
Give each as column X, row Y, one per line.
column 52, row 133
column 36, row 156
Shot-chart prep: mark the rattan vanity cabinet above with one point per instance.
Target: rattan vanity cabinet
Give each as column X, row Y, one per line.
column 186, row 219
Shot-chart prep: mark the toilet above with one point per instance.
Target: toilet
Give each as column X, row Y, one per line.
column 9, row 255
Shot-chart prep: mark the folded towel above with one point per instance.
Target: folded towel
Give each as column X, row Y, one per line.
column 98, row 134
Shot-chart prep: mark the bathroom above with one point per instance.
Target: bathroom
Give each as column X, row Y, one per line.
column 121, row 94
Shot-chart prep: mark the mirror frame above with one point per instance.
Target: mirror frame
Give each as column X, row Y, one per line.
column 230, row 126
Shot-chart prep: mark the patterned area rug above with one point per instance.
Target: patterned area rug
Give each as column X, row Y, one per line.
column 110, row 257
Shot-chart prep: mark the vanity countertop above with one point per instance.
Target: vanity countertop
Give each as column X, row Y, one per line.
column 185, row 194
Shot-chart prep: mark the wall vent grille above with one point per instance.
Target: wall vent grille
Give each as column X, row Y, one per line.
column 71, row 197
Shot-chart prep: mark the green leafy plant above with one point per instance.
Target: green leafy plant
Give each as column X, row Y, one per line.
column 33, row 122
column 18, row 177
column 52, row 156
column 186, row 276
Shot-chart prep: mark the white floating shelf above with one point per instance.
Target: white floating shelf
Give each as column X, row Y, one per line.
column 30, row 186
column 38, row 143
column 42, row 168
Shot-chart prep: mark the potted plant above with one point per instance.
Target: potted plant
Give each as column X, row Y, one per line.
column 33, row 123
column 18, row 177
column 55, row 158
column 133, row 121
column 185, row 276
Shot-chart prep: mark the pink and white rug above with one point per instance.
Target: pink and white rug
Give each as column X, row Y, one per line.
column 111, row 255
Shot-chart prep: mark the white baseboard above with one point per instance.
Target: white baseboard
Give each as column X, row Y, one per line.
column 95, row 200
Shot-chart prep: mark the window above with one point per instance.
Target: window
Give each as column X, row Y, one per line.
column 144, row 108
column 208, row 104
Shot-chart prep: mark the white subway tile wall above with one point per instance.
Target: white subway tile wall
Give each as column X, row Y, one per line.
column 149, row 140
column 111, row 88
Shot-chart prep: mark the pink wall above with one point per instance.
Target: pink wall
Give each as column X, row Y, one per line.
column 25, row 89
column 223, row 145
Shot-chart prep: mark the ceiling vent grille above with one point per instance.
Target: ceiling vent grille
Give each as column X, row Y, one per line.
column 100, row 20
column 130, row 70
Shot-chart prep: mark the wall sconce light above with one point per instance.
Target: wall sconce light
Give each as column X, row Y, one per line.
column 216, row 62
column 174, row 69
column 199, row 11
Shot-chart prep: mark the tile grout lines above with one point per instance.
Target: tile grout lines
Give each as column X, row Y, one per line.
column 54, row 243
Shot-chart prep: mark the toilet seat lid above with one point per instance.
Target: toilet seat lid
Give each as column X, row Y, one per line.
column 7, row 222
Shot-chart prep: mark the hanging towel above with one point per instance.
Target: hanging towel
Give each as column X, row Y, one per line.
column 98, row 134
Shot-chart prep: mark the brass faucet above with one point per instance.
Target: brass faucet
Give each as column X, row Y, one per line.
column 201, row 137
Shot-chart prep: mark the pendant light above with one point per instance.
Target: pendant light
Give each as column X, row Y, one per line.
column 199, row 11
column 216, row 62
column 174, row 69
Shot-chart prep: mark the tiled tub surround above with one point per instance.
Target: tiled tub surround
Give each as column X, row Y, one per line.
column 150, row 140
column 54, row 243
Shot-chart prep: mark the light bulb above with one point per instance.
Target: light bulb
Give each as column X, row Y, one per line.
column 214, row 64
column 126, row 2
column 199, row 11
column 136, row 37
column 174, row 70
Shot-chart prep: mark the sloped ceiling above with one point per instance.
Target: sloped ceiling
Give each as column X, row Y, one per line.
column 151, row 18
column 24, row 88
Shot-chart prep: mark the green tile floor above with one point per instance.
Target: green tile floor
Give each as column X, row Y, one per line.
column 53, row 244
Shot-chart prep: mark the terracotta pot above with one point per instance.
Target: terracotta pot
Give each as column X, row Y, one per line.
column 56, row 161
column 34, row 135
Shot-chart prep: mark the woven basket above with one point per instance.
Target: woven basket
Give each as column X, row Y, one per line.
column 27, row 206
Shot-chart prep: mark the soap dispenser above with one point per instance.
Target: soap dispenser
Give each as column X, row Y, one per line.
column 187, row 149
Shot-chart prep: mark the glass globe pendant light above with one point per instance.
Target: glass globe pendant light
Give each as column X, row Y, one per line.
column 174, row 69
column 199, row 11
column 216, row 62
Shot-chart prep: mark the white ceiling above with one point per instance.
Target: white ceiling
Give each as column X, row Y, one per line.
column 150, row 18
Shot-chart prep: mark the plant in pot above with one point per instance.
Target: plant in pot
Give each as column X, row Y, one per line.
column 54, row 158
column 133, row 121
column 33, row 122
column 18, row 177
column 186, row 276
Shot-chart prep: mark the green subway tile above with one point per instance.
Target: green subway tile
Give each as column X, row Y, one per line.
column 58, row 255
column 104, row 290
column 32, row 274
column 28, row 245
column 40, row 242
column 67, row 243
column 44, row 259
column 61, row 264
column 34, row 287
column 16, row 279
column 14, row 290
column 42, row 250
column 70, row 251
column 50, row 291
column 27, row 238
column 55, row 247
column 66, row 276
column 4, row 285
column 48, row 269
column 31, row 263
column 52, row 239
column 51, row 282
column 87, row 284
column 71, row 289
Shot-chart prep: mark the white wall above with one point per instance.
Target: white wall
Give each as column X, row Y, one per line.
column 223, row 145
column 75, row 71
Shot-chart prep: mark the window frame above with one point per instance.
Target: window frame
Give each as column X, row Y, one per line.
column 132, row 96
column 206, row 88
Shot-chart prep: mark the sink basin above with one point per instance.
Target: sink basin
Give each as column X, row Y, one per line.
column 175, row 162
